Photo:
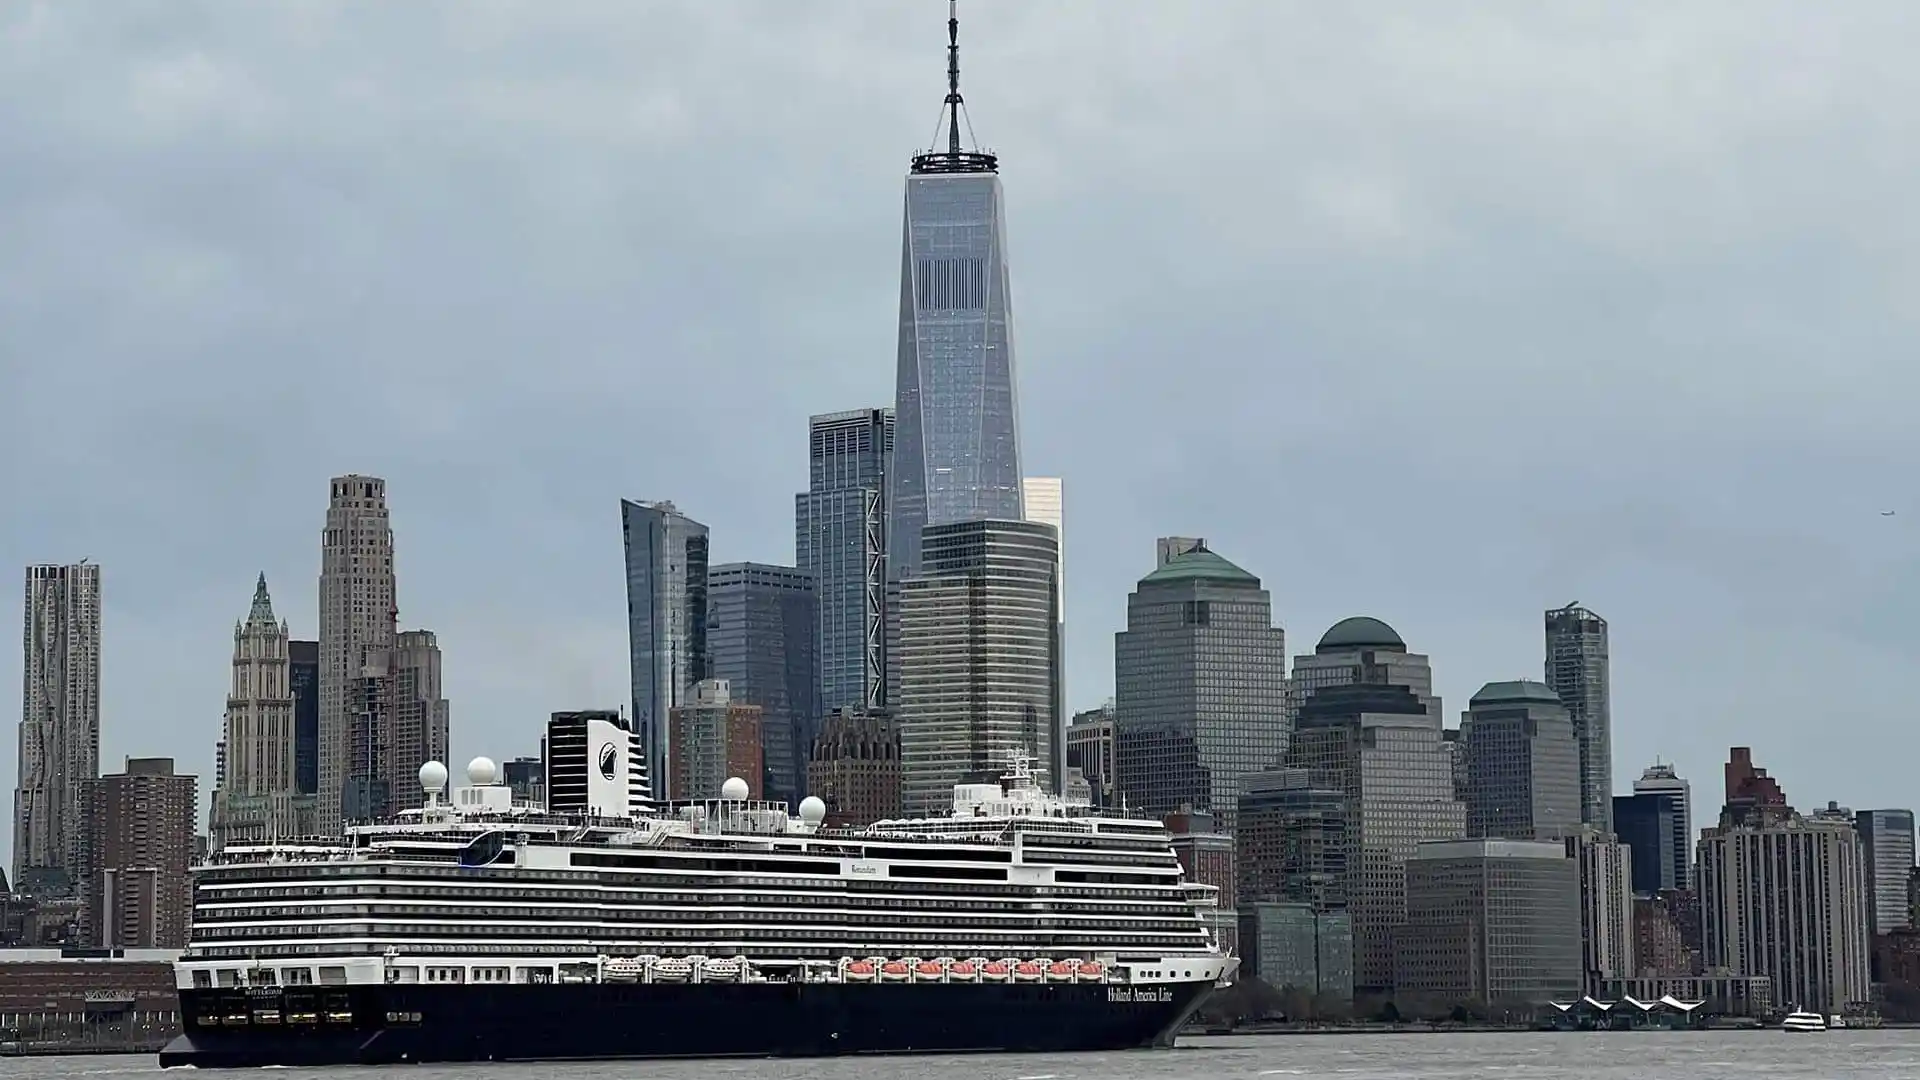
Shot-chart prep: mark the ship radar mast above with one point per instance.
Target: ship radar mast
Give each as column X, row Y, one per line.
column 953, row 113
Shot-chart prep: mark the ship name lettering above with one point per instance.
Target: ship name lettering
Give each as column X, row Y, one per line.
column 1128, row 995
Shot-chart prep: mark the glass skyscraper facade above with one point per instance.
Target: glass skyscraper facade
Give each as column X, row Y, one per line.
column 666, row 554
column 977, row 659
column 1646, row 822
column 840, row 542
column 760, row 639
column 303, row 672
column 1886, row 840
column 1577, row 670
column 956, row 450
column 1200, row 681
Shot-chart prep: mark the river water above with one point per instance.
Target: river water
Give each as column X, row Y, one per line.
column 1732, row 1055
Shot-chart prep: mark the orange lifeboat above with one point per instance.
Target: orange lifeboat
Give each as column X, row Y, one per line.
column 1091, row 972
column 1026, row 971
column 860, row 971
column 1060, row 971
column 995, row 971
column 963, row 971
column 929, row 972
column 893, row 971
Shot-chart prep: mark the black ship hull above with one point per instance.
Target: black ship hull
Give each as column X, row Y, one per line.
column 396, row 1023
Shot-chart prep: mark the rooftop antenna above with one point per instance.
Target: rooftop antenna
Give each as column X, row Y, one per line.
column 953, row 77
column 954, row 159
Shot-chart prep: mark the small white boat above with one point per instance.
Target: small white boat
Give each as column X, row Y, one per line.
column 1804, row 1021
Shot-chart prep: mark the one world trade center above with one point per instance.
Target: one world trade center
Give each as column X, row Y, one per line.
column 956, row 444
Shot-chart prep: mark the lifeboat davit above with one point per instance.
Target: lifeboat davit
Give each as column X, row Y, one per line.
column 962, row 971
column 860, row 971
column 997, row 971
column 929, row 971
column 1061, row 971
column 1091, row 972
column 893, row 971
column 1027, row 971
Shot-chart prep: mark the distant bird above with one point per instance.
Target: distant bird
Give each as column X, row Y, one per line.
column 1887, row 513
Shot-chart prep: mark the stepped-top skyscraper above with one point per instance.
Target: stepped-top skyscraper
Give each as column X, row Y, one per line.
column 956, row 444
column 357, row 612
column 59, row 726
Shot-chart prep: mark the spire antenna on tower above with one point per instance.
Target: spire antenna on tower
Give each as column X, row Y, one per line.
column 953, row 76
column 953, row 111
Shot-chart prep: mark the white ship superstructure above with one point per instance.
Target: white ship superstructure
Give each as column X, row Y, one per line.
column 1015, row 885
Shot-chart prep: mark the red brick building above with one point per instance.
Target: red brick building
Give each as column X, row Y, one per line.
column 54, row 1000
column 711, row 740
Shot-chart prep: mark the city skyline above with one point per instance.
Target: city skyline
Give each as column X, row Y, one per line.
column 531, row 622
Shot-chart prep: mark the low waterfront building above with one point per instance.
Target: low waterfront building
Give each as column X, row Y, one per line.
column 1721, row 994
column 1496, row 921
column 88, row 1000
column 1292, row 946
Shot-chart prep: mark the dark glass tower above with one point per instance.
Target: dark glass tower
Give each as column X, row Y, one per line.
column 761, row 623
column 666, row 620
column 840, row 541
column 956, row 449
column 303, row 672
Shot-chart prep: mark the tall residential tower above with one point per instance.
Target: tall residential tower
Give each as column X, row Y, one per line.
column 59, row 727
column 357, row 611
column 956, row 453
column 1577, row 671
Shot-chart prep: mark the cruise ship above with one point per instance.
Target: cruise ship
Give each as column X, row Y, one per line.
column 603, row 926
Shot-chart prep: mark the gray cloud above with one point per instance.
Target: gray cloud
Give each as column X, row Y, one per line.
column 1439, row 315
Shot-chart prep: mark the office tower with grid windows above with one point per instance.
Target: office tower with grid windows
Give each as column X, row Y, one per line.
column 1200, row 677
column 977, row 659
column 1522, row 762
column 762, row 622
column 840, row 543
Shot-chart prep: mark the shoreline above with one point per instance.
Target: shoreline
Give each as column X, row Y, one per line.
column 1734, row 1024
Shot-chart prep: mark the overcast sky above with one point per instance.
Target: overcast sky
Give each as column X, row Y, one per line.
column 1435, row 313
